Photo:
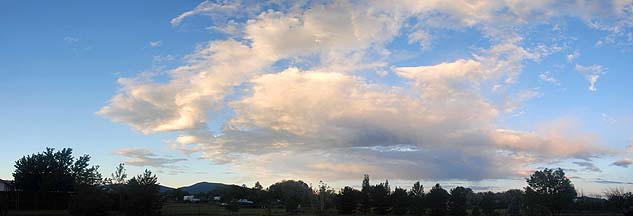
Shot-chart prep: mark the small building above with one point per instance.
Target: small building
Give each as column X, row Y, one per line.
column 190, row 198
column 6, row 185
column 217, row 198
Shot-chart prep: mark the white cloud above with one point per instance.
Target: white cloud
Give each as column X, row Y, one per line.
column 155, row 43
column 71, row 40
column 592, row 73
column 573, row 56
column 607, row 118
column 547, row 77
column 208, row 8
column 319, row 113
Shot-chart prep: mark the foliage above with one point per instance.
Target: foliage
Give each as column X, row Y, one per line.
column 514, row 199
column 551, row 189
column 416, row 197
column 143, row 197
column 438, row 201
column 457, row 201
column 90, row 201
column 258, row 186
column 365, row 203
column 400, row 201
column 292, row 194
column 488, row 204
column 347, row 200
column 119, row 175
column 380, row 198
column 622, row 201
column 54, row 171
column 324, row 198
column 475, row 212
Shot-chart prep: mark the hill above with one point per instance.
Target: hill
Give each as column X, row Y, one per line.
column 200, row 187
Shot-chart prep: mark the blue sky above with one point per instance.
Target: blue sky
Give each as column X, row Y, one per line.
column 474, row 94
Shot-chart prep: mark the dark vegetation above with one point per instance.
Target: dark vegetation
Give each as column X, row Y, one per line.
column 77, row 188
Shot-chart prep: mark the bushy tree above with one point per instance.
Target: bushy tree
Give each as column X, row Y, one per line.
column 400, row 201
column 551, row 189
column 54, row 171
column 457, row 201
column 292, row 194
column 143, row 195
column 90, row 201
column 438, row 201
column 347, row 200
column 416, row 197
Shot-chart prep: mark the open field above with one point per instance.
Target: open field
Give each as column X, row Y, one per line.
column 191, row 209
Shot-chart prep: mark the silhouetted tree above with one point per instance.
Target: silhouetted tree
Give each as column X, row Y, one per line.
column 514, row 200
column 438, row 200
column 54, row 171
column 488, row 204
column 551, row 189
column 457, row 201
column 366, row 203
column 380, row 198
column 416, row 197
column 117, row 184
column 347, row 200
column 90, row 201
column 258, row 186
column 292, row 194
column 143, row 195
column 325, row 198
column 621, row 201
column 400, row 201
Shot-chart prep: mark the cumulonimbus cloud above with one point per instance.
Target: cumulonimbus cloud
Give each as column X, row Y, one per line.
column 320, row 115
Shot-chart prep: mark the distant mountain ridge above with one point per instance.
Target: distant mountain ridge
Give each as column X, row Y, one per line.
column 200, row 187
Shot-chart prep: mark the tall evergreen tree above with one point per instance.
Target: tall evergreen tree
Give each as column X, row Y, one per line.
column 366, row 203
column 416, row 197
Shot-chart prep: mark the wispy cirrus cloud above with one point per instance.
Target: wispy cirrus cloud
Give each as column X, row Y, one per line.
column 592, row 73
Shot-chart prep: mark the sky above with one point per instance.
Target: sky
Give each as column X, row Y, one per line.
column 476, row 94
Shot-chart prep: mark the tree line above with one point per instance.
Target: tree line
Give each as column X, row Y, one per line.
column 90, row 193
column 548, row 192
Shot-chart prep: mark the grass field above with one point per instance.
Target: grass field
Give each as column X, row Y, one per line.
column 190, row 209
